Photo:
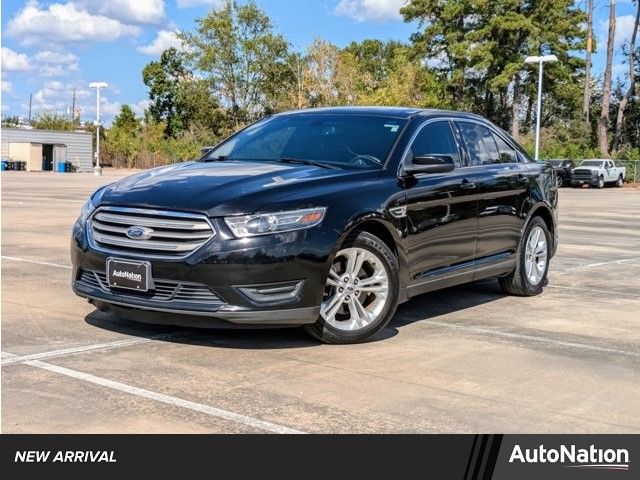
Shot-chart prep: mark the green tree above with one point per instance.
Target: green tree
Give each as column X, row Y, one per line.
column 126, row 119
column 163, row 78
column 238, row 52
column 53, row 121
column 479, row 47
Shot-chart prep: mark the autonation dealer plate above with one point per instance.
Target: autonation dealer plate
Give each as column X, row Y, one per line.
column 128, row 274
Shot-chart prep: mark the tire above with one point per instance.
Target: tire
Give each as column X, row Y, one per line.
column 600, row 183
column 347, row 325
column 620, row 181
column 519, row 282
column 559, row 181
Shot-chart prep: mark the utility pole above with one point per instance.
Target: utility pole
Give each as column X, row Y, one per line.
column 586, row 99
column 97, row 85
column 30, row 102
column 73, row 107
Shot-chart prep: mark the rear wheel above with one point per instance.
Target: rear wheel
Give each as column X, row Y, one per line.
column 530, row 274
column 620, row 181
column 361, row 292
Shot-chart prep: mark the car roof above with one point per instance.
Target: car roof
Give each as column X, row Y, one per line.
column 399, row 112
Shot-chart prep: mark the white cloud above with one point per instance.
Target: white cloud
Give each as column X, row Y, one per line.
column 64, row 23
column 127, row 11
column 165, row 39
column 49, row 70
column 7, row 86
column 14, row 61
column 140, row 107
column 56, row 64
column 624, row 28
column 363, row 10
column 48, row 56
column 56, row 96
column 197, row 3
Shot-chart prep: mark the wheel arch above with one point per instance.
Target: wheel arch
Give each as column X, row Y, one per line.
column 389, row 230
column 545, row 212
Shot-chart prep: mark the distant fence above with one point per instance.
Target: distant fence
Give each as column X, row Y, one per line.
column 633, row 169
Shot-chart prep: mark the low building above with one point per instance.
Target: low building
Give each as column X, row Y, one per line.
column 42, row 150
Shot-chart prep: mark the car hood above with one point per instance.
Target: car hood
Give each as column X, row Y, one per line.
column 218, row 188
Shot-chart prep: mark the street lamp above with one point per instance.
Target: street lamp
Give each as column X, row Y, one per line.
column 98, row 85
column 539, row 61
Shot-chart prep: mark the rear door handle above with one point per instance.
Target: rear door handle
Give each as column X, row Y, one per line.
column 467, row 185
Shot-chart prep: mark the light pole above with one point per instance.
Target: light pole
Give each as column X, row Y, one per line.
column 540, row 61
column 98, row 85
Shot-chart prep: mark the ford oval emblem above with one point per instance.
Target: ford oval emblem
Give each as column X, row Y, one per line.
column 139, row 233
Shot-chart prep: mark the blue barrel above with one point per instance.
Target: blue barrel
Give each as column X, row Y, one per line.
column 61, row 167
column 3, row 165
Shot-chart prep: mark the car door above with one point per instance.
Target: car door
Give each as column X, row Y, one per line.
column 503, row 188
column 610, row 170
column 441, row 212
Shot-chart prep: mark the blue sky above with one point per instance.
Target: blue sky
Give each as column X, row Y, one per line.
column 50, row 47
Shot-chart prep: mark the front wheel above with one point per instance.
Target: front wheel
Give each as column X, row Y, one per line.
column 530, row 274
column 361, row 293
column 600, row 183
column 559, row 181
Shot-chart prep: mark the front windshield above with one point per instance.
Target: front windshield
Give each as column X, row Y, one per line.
column 555, row 163
column 591, row 163
column 337, row 140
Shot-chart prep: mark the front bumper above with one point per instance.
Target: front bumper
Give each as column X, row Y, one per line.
column 224, row 269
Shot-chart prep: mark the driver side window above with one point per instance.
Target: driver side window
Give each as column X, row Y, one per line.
column 436, row 139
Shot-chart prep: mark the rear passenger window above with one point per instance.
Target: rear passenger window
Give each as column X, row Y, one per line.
column 480, row 143
column 507, row 154
column 436, row 139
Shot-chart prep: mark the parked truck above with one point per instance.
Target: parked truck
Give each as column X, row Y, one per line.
column 597, row 173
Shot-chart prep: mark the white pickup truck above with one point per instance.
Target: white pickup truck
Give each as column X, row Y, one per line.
column 597, row 173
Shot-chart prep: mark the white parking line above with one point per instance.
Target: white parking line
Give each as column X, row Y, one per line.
column 37, row 262
column 10, row 358
column 594, row 290
column 167, row 399
column 602, row 264
column 518, row 336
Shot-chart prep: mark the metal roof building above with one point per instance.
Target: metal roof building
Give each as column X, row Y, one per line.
column 43, row 149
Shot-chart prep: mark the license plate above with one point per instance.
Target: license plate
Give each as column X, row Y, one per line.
column 128, row 274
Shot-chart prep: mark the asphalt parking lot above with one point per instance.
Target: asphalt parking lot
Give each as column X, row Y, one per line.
column 466, row 359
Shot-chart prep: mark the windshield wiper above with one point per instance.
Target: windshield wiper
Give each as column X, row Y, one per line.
column 220, row 158
column 303, row 161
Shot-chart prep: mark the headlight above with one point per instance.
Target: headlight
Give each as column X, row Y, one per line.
column 90, row 205
column 264, row 224
column 87, row 210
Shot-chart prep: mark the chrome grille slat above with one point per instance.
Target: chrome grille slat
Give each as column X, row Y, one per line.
column 152, row 222
column 146, row 244
column 168, row 235
column 163, row 234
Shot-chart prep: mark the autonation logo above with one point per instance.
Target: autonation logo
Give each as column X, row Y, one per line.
column 136, row 277
column 573, row 457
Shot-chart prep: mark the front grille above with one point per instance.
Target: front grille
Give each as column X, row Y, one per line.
column 582, row 173
column 164, row 290
column 164, row 234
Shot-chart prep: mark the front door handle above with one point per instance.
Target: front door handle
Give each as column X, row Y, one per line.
column 522, row 180
column 467, row 185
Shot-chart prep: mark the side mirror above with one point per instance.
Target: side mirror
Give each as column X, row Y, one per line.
column 430, row 164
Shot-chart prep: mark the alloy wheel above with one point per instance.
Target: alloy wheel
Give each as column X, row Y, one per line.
column 536, row 254
column 357, row 290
